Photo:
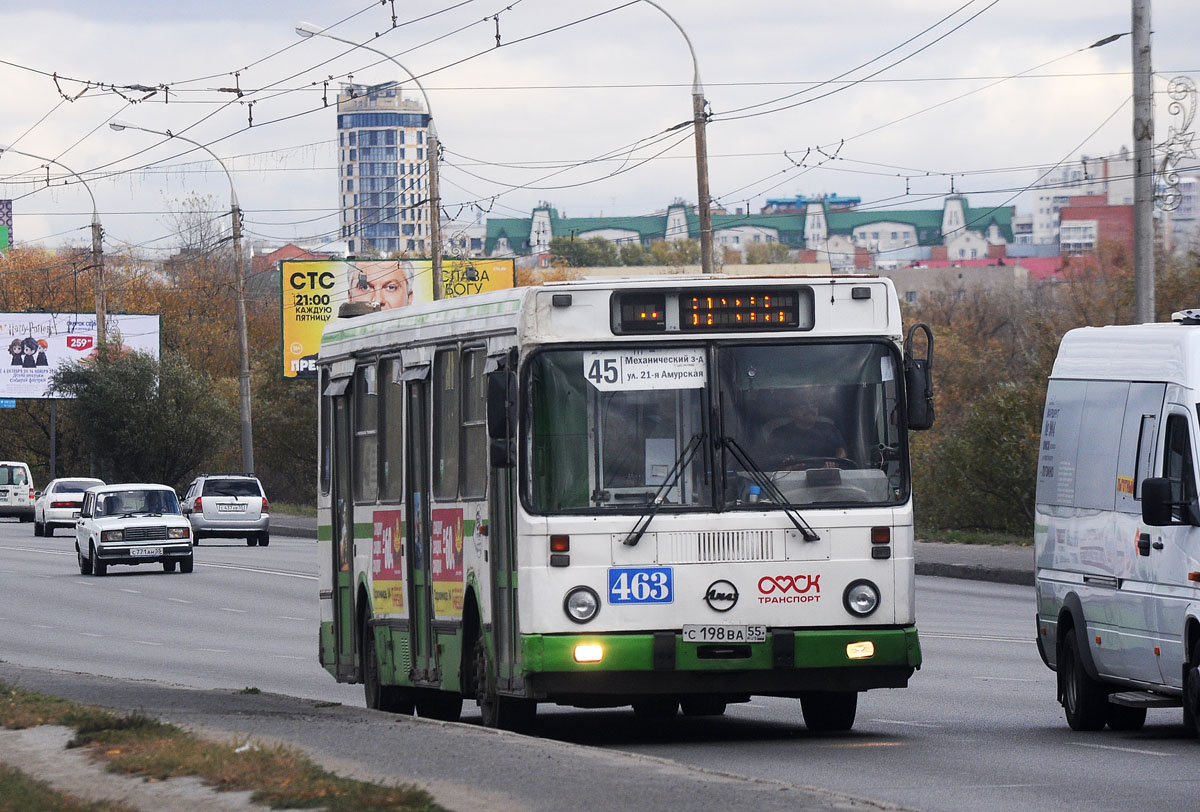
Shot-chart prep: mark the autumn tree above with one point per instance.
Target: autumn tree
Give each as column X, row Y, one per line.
column 143, row 420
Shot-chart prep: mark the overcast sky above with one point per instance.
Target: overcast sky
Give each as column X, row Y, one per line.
column 526, row 122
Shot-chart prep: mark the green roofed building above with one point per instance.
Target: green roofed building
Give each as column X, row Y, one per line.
column 846, row 237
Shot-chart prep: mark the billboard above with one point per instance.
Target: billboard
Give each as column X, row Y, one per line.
column 313, row 289
column 6, row 236
column 38, row 343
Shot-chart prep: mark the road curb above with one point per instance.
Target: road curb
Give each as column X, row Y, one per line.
column 975, row 572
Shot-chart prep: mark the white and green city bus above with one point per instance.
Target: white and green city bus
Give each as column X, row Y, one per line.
column 571, row 493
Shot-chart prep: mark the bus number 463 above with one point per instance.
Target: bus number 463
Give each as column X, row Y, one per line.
column 640, row 585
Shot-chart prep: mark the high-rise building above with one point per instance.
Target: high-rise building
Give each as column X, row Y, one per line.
column 383, row 173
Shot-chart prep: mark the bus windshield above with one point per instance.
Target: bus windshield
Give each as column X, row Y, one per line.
column 819, row 420
column 604, row 436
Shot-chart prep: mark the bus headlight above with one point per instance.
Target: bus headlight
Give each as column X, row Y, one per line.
column 861, row 598
column 581, row 604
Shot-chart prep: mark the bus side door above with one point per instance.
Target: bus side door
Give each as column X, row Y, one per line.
column 417, row 509
column 343, row 543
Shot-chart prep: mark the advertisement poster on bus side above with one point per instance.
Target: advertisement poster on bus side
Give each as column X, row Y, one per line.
column 446, row 563
column 387, row 564
column 313, row 290
column 39, row 343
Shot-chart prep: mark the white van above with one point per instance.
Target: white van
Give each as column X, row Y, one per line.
column 1117, row 527
column 16, row 490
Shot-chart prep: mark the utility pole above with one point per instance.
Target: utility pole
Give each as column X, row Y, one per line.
column 1143, row 158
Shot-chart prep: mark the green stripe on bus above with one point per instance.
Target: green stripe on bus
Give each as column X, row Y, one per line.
column 825, row 648
column 324, row 532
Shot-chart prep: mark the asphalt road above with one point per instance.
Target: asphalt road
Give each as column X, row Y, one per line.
column 978, row 728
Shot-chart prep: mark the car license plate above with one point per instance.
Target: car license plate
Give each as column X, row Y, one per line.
column 144, row 552
column 708, row 633
column 231, row 508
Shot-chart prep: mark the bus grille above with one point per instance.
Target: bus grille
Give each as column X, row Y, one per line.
column 145, row 533
column 718, row 546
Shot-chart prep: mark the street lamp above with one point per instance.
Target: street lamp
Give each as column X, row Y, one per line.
column 699, row 122
column 307, row 30
column 97, row 246
column 243, row 341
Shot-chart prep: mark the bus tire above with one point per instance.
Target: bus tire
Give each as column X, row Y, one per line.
column 829, row 711
column 387, row 698
column 1084, row 700
column 504, row 712
column 1121, row 717
column 656, row 707
column 1191, row 692
column 703, row 705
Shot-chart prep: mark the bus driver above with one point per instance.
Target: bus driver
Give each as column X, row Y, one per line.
column 799, row 434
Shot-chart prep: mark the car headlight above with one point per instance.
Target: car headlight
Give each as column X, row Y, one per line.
column 861, row 598
column 112, row 535
column 581, row 604
column 177, row 532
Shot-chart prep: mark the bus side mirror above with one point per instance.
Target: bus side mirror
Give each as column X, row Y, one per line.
column 918, row 380
column 502, row 417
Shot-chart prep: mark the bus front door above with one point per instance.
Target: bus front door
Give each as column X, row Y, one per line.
column 343, row 545
column 416, row 494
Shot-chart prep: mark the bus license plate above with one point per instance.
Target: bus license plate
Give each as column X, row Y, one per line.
column 697, row 633
column 143, row 552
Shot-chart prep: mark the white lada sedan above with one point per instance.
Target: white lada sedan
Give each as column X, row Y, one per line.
column 132, row 523
column 59, row 503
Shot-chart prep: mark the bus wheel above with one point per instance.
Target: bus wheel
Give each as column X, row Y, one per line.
column 1191, row 693
column 702, row 705
column 829, row 711
column 382, row 697
column 656, row 707
column 445, row 706
column 1085, row 703
column 1121, row 717
column 504, row 712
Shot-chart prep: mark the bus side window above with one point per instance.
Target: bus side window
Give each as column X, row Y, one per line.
column 1178, row 466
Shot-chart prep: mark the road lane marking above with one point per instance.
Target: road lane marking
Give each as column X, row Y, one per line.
column 239, row 611
column 178, row 600
column 260, row 570
column 1005, row 679
column 910, row 724
column 215, row 650
column 1122, row 749
column 147, row 642
column 287, row 657
column 131, row 591
column 91, row 634
column 40, row 626
column 289, row 617
column 981, row 637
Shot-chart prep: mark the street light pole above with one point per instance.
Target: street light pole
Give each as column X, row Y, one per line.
column 307, row 30
column 98, row 282
column 699, row 123
column 243, row 338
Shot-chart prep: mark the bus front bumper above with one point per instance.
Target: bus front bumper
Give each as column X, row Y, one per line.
column 788, row 663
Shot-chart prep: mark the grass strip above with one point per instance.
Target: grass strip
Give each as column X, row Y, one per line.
column 21, row 793
column 137, row 744
column 973, row 537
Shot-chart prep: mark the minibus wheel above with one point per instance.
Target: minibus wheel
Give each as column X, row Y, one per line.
column 1085, row 702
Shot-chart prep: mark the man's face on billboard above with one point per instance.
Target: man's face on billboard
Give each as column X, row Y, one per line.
column 381, row 283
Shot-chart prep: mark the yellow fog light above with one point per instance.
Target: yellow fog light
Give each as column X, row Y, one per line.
column 860, row 651
column 589, row 653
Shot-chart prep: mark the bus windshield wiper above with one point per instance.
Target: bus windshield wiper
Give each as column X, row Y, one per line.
column 769, row 487
column 681, row 463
